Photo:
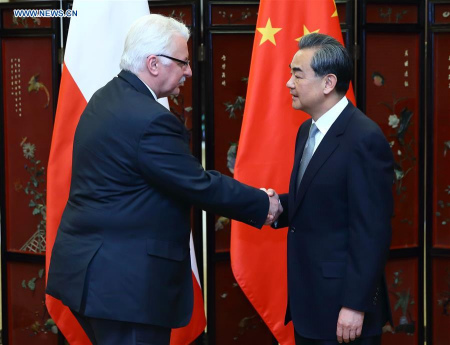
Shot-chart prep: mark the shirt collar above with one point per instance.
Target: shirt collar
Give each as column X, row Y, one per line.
column 326, row 120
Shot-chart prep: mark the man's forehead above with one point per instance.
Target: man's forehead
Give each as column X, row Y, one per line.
column 178, row 42
column 301, row 59
column 296, row 61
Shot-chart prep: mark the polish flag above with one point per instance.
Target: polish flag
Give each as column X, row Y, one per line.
column 92, row 56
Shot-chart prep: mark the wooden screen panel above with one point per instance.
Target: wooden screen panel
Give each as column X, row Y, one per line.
column 441, row 137
column 441, row 301
column 28, row 122
column 231, row 66
column 234, row 15
column 181, row 13
column 29, row 321
column 11, row 22
column 390, row 13
column 237, row 322
column 442, row 13
column 342, row 12
column 392, row 100
column 402, row 282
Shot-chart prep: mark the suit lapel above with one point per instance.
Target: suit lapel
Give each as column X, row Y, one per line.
column 327, row 146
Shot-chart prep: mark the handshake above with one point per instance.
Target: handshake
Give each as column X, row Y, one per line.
column 275, row 208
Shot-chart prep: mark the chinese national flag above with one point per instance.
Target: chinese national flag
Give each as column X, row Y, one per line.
column 94, row 46
column 266, row 148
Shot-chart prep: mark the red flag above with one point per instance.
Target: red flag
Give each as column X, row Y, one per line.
column 187, row 334
column 266, row 148
column 100, row 27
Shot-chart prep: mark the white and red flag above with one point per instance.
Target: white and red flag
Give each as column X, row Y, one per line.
column 92, row 56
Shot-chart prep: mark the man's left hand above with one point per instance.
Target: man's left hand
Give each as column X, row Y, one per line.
column 349, row 325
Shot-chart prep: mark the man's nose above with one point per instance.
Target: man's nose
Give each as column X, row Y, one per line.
column 188, row 72
column 290, row 83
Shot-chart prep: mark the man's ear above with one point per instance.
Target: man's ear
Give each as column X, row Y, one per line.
column 152, row 65
column 330, row 83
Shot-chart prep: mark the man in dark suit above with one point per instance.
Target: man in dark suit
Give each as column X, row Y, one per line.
column 121, row 258
column 339, row 205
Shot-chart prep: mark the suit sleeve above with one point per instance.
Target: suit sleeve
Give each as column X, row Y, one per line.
column 370, row 207
column 166, row 162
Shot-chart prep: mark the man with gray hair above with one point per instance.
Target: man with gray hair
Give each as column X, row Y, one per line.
column 339, row 205
column 121, row 259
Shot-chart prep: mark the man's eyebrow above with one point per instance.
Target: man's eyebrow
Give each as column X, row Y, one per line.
column 295, row 69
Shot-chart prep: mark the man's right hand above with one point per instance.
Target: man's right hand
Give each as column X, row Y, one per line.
column 275, row 208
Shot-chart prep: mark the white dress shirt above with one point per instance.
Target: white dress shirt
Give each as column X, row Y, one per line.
column 326, row 120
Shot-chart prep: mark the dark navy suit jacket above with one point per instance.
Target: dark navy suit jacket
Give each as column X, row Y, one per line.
column 339, row 227
column 122, row 248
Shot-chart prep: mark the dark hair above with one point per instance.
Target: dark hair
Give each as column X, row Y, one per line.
column 330, row 57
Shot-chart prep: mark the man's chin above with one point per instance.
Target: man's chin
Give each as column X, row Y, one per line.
column 175, row 92
column 296, row 105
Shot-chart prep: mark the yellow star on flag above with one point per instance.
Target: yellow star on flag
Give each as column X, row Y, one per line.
column 307, row 32
column 335, row 14
column 268, row 33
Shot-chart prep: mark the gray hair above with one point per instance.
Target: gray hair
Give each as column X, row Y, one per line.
column 150, row 34
column 330, row 57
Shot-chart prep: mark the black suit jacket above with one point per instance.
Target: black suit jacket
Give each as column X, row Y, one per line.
column 122, row 248
column 339, row 227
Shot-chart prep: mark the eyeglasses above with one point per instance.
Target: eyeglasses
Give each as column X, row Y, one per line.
column 184, row 62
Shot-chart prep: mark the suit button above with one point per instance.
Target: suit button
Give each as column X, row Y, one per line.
column 374, row 303
column 292, row 228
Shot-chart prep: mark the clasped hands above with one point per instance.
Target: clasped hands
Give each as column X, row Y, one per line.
column 275, row 208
